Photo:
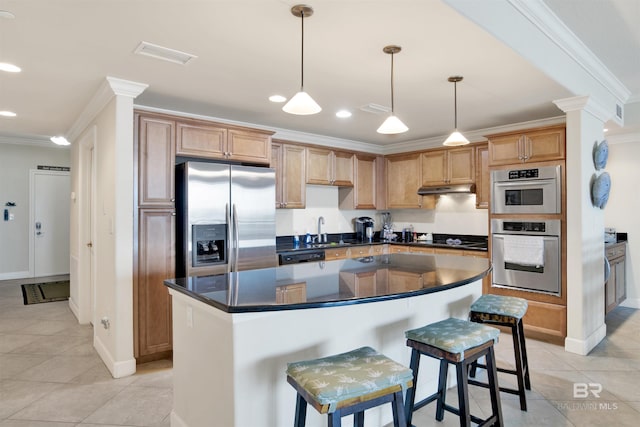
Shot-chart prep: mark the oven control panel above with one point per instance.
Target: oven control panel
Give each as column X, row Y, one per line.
column 538, row 227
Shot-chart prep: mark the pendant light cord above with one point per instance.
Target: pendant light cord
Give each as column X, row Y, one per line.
column 455, row 105
column 392, row 110
column 302, row 53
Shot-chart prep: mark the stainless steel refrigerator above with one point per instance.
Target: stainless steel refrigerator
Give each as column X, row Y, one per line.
column 225, row 218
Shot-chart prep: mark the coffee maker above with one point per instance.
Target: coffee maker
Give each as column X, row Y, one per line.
column 364, row 229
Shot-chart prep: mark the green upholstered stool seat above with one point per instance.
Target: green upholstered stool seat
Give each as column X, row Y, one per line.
column 460, row 343
column 501, row 305
column 349, row 383
column 508, row 312
column 453, row 335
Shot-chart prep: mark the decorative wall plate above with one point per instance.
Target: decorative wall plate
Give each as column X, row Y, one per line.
column 600, row 154
column 600, row 187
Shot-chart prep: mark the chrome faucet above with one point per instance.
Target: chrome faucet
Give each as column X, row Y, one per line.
column 321, row 237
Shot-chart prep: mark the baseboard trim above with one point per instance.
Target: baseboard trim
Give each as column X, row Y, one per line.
column 118, row 369
column 583, row 347
column 74, row 309
column 176, row 421
column 631, row 303
column 15, row 275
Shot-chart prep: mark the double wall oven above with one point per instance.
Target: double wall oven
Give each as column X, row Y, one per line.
column 526, row 249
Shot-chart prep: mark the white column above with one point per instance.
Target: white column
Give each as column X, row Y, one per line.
column 585, row 227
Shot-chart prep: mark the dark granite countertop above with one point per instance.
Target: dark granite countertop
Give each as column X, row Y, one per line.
column 332, row 283
column 466, row 245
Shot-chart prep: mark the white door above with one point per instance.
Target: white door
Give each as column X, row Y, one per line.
column 50, row 197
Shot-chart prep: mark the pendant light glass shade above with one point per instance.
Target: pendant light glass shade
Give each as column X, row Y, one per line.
column 392, row 124
column 456, row 138
column 302, row 103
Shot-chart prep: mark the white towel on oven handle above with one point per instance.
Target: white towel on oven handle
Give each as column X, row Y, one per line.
column 524, row 250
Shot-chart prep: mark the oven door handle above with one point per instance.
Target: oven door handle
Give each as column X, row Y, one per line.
column 527, row 183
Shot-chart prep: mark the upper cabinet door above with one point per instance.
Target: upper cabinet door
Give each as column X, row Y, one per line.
column 343, row 165
column 319, row 166
column 156, row 161
column 403, row 181
column 535, row 145
column 246, row 146
column 461, row 164
column 200, row 140
column 434, row 167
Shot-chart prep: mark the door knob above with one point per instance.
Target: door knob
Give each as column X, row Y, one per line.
column 89, row 245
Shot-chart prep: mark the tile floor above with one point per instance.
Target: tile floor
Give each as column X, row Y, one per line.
column 50, row 375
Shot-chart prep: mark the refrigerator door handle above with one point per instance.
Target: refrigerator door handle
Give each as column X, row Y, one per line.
column 236, row 238
column 227, row 214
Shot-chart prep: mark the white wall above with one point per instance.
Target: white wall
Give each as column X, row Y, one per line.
column 623, row 206
column 15, row 163
column 454, row 214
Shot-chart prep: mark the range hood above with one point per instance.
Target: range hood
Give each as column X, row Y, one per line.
column 447, row 189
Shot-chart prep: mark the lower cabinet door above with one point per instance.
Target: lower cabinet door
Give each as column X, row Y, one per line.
column 156, row 262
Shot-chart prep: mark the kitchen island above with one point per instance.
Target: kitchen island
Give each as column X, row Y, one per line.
column 234, row 333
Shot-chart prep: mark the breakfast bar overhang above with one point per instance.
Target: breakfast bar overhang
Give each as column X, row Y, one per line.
column 235, row 333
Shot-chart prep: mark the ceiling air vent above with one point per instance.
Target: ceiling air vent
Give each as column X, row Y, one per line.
column 375, row 109
column 164, row 53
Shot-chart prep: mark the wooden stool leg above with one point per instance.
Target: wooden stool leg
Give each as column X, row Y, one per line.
column 399, row 419
column 411, row 392
column 492, row 373
column 301, row 412
column 517, row 349
column 358, row 419
column 442, row 389
column 525, row 360
column 463, row 394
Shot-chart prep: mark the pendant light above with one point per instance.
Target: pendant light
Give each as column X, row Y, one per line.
column 456, row 138
column 302, row 103
column 393, row 124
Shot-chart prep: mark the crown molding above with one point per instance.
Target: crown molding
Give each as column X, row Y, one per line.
column 623, row 138
column 31, row 141
column 540, row 15
column 586, row 103
column 110, row 87
column 477, row 135
column 280, row 133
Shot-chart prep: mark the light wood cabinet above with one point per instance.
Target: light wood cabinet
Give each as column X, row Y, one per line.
column 616, row 286
column 195, row 138
column 365, row 193
column 536, row 145
column 360, row 251
column 403, row 181
column 152, row 302
column 448, row 166
column 330, row 167
column 483, row 187
column 336, row 253
column 156, row 161
column 289, row 163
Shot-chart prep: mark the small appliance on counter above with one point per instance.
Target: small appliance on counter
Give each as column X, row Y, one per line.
column 610, row 235
column 364, row 229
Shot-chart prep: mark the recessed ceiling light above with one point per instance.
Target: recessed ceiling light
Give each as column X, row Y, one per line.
column 60, row 140
column 7, row 113
column 604, row 130
column 6, row 14
column 164, row 53
column 9, row 68
column 277, row 98
column 343, row 114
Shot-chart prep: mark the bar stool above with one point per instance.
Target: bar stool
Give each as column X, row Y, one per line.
column 505, row 311
column 457, row 342
column 349, row 383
